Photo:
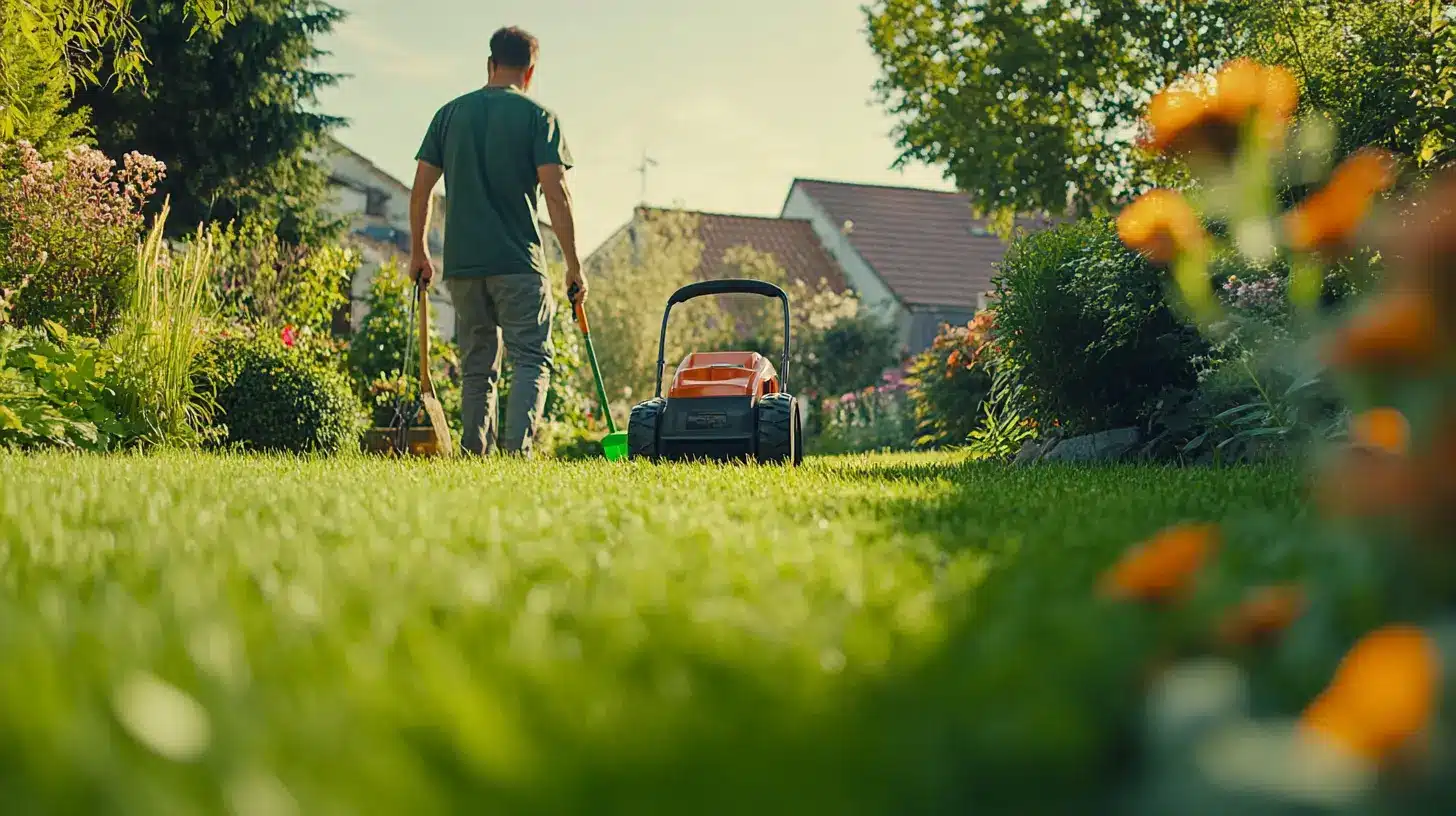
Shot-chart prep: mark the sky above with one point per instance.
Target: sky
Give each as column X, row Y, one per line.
column 733, row 98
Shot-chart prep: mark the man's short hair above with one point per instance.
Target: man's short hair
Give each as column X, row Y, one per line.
column 512, row 47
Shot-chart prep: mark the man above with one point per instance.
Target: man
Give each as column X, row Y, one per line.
column 499, row 151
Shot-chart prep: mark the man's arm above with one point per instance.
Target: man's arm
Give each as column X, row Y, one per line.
column 426, row 177
column 558, row 203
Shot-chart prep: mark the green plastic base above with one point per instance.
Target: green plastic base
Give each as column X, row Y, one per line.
column 614, row 446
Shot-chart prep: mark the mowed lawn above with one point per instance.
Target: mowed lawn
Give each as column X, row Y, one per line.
column 889, row 634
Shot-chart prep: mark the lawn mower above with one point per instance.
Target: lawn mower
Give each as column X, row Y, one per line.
column 724, row 405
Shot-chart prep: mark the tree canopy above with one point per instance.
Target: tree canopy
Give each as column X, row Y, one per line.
column 231, row 111
column 48, row 46
column 1034, row 105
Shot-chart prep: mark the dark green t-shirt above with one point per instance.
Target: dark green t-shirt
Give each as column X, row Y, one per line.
column 489, row 143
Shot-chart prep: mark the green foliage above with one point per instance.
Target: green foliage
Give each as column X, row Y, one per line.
column 949, row 382
column 231, row 110
column 69, row 227
column 57, row 390
column 1087, row 324
column 1034, row 106
column 262, row 280
column 52, row 47
column 1003, row 428
column 1382, row 71
column 1031, row 107
column 271, row 398
column 864, row 635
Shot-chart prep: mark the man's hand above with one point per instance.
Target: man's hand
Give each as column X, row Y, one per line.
column 576, row 287
column 421, row 269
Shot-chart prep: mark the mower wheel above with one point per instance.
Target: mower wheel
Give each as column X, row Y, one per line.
column 778, row 430
column 642, row 428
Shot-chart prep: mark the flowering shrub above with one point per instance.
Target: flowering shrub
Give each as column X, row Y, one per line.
column 950, row 381
column 877, row 417
column 70, row 227
column 1365, row 731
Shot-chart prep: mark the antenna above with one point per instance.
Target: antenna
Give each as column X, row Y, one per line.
column 647, row 162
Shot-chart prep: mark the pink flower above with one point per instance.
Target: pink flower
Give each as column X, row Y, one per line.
column 289, row 336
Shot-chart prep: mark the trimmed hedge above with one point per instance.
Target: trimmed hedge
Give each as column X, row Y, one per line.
column 274, row 399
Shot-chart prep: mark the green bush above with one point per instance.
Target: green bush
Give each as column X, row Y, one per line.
column 57, row 390
column 272, row 398
column 262, row 280
column 1087, row 323
column 949, row 382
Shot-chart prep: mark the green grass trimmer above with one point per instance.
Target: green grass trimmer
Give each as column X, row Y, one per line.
column 614, row 444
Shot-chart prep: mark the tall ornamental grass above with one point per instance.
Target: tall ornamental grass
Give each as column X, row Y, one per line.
column 162, row 337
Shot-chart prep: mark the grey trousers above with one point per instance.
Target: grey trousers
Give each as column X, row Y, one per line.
column 518, row 309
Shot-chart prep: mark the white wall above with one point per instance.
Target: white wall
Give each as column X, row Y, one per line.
column 861, row 278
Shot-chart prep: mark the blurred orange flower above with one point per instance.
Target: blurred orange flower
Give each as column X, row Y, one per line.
column 1383, row 694
column 1400, row 328
column 1381, row 429
column 1327, row 220
column 1423, row 247
column 1160, row 224
column 1162, row 566
column 1183, row 120
column 1263, row 612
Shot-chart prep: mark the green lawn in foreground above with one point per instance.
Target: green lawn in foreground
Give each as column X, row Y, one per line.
column 895, row 634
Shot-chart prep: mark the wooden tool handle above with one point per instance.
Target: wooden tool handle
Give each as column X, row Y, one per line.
column 427, row 386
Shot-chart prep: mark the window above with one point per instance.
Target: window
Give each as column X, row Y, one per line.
column 377, row 203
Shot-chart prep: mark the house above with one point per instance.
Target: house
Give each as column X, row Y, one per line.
column 377, row 206
column 916, row 256
column 790, row 241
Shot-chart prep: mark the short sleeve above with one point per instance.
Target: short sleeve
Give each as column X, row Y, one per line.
column 551, row 145
column 432, row 149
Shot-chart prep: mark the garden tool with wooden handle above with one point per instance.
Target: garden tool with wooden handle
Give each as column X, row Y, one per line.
column 428, row 397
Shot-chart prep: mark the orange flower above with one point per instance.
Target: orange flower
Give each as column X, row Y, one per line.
column 1326, row 221
column 1182, row 120
column 1381, row 429
column 1400, row 328
column 1162, row 566
column 1161, row 225
column 1263, row 612
column 1383, row 694
column 1423, row 247
column 1363, row 482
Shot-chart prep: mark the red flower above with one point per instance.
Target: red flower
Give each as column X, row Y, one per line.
column 288, row 336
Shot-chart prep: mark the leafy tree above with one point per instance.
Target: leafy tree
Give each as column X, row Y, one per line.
column 1384, row 71
column 230, row 112
column 52, row 46
column 1034, row 106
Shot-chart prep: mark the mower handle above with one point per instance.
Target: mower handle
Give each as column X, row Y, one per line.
column 724, row 286
column 727, row 286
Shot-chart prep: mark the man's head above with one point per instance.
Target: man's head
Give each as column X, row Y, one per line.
column 512, row 56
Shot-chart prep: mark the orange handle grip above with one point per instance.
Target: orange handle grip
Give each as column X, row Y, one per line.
column 581, row 319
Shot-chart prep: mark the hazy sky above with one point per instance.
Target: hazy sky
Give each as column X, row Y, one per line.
column 733, row 98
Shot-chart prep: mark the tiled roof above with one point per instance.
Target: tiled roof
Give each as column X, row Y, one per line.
column 791, row 241
column 924, row 244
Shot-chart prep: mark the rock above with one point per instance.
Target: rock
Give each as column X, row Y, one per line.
column 1107, row 446
column 1033, row 451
